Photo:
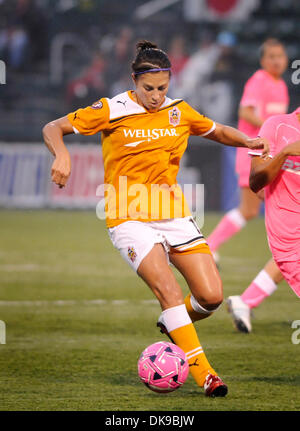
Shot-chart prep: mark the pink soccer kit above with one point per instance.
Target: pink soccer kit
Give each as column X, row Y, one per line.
column 269, row 96
column 282, row 198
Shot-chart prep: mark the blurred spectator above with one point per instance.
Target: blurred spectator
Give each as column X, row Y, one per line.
column 228, row 60
column 33, row 19
column 196, row 72
column 90, row 84
column 110, row 65
column 177, row 54
column 13, row 46
column 119, row 59
column 223, row 78
column 23, row 35
column 219, row 91
column 208, row 72
column 14, row 38
column 178, row 57
column 206, row 80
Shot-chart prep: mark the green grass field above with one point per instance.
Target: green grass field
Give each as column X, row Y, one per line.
column 77, row 318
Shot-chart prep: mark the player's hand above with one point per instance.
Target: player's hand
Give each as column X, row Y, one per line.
column 258, row 144
column 61, row 170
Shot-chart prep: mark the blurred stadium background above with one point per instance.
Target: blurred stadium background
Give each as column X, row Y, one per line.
column 64, row 289
column 65, row 54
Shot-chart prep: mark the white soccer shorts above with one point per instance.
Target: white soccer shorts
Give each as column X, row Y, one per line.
column 135, row 239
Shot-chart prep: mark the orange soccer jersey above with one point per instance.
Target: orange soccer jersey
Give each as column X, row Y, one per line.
column 141, row 154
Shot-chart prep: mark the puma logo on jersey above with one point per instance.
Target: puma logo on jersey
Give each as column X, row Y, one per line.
column 123, row 103
column 149, row 134
column 287, row 141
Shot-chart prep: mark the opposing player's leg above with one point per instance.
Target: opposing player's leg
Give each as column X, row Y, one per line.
column 291, row 272
column 249, row 204
column 234, row 220
column 155, row 271
column 263, row 285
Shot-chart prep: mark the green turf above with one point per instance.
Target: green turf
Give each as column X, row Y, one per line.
column 82, row 355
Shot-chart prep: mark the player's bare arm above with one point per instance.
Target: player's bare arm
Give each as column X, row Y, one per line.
column 53, row 133
column 248, row 114
column 264, row 171
column 230, row 136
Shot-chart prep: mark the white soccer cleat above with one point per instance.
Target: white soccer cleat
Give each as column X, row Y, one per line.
column 240, row 312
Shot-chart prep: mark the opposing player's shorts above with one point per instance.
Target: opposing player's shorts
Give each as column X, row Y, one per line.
column 291, row 272
column 243, row 166
column 135, row 239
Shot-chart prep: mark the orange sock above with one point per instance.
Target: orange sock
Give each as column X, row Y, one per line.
column 186, row 337
column 194, row 315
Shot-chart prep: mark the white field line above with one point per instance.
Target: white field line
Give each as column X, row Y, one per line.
column 63, row 302
column 90, row 270
column 20, row 267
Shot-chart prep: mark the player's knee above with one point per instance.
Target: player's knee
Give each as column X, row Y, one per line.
column 213, row 305
column 211, row 300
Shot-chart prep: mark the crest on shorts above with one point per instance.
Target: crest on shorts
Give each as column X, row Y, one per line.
column 97, row 105
column 174, row 116
column 131, row 254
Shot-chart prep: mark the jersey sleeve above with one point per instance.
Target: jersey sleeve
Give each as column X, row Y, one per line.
column 253, row 92
column 199, row 124
column 267, row 131
column 92, row 119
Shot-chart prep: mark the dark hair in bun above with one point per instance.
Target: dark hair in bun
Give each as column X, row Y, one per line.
column 149, row 56
column 145, row 44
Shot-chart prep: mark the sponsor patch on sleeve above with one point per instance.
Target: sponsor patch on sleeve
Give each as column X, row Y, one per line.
column 97, row 105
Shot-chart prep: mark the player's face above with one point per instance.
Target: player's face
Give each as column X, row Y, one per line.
column 275, row 60
column 151, row 89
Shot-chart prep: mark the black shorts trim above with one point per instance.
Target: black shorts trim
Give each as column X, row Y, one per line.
column 188, row 242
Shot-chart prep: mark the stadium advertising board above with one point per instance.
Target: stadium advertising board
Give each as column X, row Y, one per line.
column 25, row 177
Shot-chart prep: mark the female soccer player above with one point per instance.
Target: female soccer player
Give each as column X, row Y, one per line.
column 279, row 174
column 144, row 135
column 265, row 94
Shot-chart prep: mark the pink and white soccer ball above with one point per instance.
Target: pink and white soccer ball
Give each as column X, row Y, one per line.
column 163, row 367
